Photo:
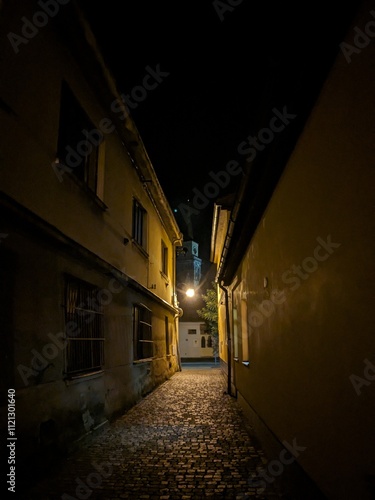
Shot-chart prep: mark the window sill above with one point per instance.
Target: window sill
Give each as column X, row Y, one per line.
column 236, row 359
column 100, row 203
column 142, row 361
column 141, row 250
column 246, row 363
column 164, row 276
column 76, row 379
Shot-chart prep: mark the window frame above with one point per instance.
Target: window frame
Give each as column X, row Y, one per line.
column 142, row 328
column 164, row 259
column 139, row 225
column 73, row 121
column 85, row 338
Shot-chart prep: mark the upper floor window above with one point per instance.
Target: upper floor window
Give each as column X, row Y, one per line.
column 139, row 224
column 164, row 258
column 78, row 142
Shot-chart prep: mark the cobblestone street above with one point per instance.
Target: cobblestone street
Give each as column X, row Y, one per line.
column 187, row 439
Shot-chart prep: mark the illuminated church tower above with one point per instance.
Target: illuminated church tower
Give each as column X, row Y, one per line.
column 189, row 265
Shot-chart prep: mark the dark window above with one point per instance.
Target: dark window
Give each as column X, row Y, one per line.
column 203, row 342
column 143, row 344
column 139, row 224
column 164, row 258
column 84, row 327
column 78, row 142
column 192, row 331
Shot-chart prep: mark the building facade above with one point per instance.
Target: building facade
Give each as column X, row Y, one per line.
column 89, row 309
column 195, row 340
column 295, row 267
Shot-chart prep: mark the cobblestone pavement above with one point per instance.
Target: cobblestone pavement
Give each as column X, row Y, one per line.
column 185, row 440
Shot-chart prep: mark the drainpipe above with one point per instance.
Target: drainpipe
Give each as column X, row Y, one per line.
column 229, row 339
column 177, row 316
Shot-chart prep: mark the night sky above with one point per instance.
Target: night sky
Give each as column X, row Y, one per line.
column 223, row 67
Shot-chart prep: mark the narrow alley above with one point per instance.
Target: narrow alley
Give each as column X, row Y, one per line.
column 184, row 181
column 186, row 439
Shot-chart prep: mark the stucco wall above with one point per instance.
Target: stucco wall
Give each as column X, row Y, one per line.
column 190, row 344
column 311, row 327
column 85, row 233
column 43, row 392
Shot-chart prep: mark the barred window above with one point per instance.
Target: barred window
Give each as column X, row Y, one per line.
column 84, row 328
column 143, row 343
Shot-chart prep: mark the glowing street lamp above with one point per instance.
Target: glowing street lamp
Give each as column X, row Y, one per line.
column 190, row 292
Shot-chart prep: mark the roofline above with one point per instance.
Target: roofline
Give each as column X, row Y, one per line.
column 215, row 223
column 128, row 132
